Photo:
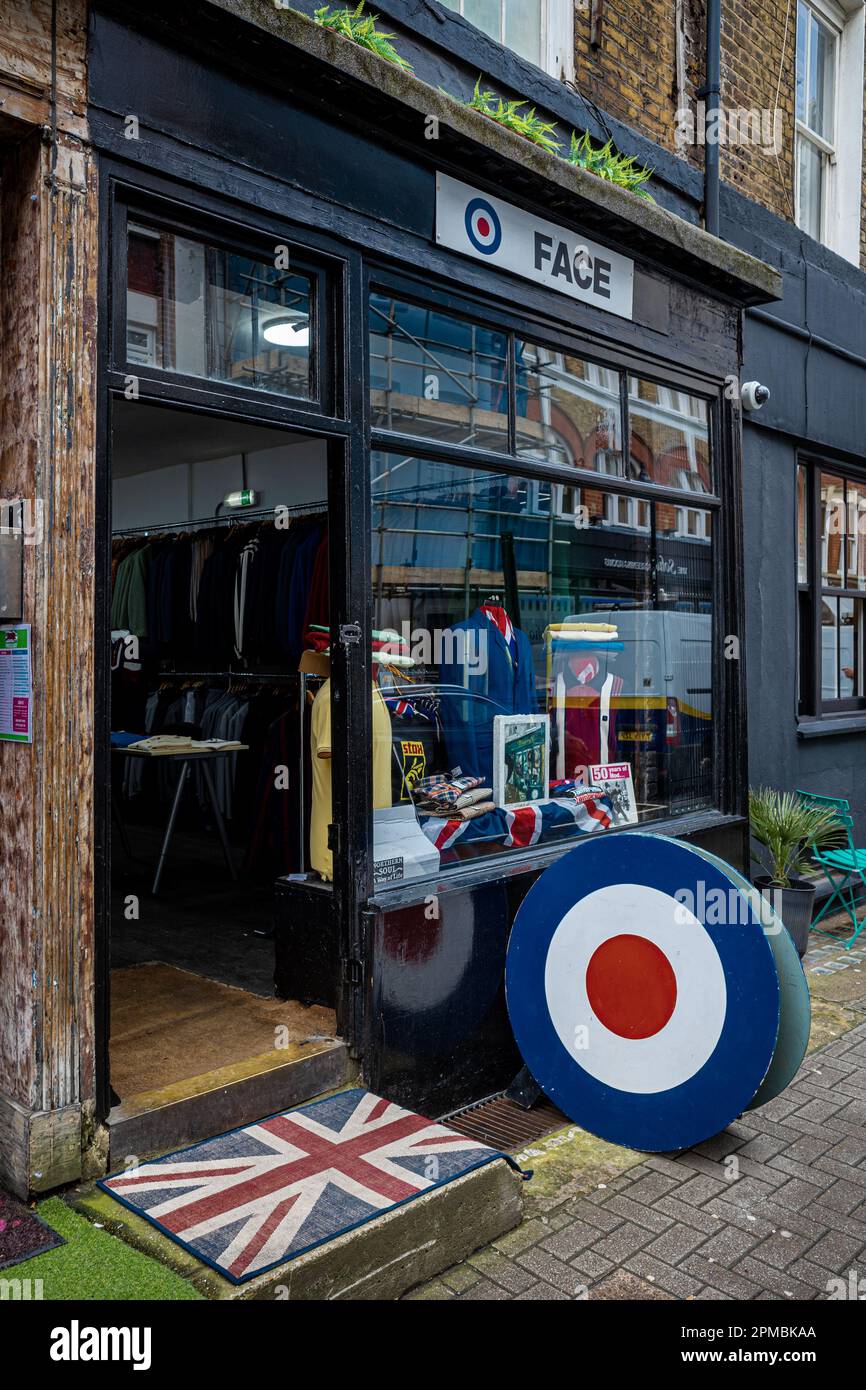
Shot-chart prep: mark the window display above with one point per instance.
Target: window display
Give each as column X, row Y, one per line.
column 526, row 614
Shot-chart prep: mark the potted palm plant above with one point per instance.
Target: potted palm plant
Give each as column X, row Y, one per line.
column 783, row 829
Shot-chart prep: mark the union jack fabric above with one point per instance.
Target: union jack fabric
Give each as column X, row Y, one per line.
column 260, row 1196
column 528, row 825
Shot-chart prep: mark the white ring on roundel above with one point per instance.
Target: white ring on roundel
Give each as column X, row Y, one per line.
column 642, row 1066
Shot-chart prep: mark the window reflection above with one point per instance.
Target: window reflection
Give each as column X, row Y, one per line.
column 568, row 410
column 670, row 436
column 437, row 375
column 205, row 312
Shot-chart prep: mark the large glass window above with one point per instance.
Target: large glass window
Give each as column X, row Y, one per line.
column 568, row 410
column 545, row 656
column 832, row 620
column 437, row 375
column 222, row 315
column 670, row 437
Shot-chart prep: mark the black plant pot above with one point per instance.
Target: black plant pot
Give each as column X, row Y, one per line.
column 795, row 906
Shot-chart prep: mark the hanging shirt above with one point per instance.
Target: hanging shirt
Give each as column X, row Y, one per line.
column 321, row 857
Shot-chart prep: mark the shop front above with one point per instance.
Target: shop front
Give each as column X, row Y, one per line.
column 419, row 561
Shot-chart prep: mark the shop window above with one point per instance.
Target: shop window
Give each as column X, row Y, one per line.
column 541, row 31
column 201, row 311
column 546, row 669
column 669, row 437
column 828, row 150
column 568, row 410
column 436, row 375
column 831, row 545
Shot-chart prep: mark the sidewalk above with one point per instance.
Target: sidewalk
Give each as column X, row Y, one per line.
column 773, row 1208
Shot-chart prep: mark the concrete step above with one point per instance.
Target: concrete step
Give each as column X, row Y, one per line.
column 381, row 1260
column 156, row 1122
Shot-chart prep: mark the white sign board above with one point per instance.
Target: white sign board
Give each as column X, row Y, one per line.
column 504, row 236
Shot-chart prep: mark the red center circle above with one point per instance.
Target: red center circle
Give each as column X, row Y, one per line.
column 483, row 227
column 631, row 986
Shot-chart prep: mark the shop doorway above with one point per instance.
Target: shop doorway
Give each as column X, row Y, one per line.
column 219, row 646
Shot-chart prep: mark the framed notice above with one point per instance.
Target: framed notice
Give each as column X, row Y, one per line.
column 16, row 684
column 521, row 758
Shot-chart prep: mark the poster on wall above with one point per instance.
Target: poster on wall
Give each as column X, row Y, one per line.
column 521, row 757
column 615, row 780
column 16, row 684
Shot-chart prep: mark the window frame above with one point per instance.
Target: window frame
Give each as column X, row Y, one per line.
column 556, row 40
column 325, row 407
column 812, row 706
column 825, row 14
column 842, row 156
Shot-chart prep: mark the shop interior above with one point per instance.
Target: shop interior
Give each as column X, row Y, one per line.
column 219, row 642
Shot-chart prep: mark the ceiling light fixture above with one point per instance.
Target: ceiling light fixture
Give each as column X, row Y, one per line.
column 288, row 330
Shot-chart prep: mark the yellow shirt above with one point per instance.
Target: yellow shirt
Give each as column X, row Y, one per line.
column 321, row 857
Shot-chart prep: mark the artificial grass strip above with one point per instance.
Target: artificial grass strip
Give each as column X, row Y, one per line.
column 95, row 1265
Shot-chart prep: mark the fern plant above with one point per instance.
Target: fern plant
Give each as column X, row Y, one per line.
column 513, row 116
column 608, row 164
column 785, row 830
column 361, row 29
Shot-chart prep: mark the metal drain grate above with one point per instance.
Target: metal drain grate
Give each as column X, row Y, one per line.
column 504, row 1125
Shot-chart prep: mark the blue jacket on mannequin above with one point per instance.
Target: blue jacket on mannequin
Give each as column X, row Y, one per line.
column 495, row 686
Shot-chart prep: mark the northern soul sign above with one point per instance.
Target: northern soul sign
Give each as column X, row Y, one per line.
column 487, row 229
column 647, row 1024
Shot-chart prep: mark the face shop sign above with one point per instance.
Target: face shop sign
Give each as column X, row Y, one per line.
column 504, row 236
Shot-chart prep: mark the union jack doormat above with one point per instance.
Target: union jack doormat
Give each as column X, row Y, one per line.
column 256, row 1197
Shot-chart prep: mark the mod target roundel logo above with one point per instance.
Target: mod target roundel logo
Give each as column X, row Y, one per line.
column 483, row 227
column 648, row 1022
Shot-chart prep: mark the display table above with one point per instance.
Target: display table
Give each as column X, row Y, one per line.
column 187, row 757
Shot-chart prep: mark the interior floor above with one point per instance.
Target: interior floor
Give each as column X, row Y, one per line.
column 200, row 921
column 169, row 1025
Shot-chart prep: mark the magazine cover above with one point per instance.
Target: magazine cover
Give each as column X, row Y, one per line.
column 615, row 780
column 521, row 755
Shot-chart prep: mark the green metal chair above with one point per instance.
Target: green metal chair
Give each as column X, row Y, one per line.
column 845, row 868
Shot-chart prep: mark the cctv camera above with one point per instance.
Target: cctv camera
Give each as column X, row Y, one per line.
column 754, row 395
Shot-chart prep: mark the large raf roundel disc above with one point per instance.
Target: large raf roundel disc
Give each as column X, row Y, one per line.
column 795, row 1008
column 642, row 991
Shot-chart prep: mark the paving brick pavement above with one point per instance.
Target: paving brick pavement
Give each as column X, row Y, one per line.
column 771, row 1209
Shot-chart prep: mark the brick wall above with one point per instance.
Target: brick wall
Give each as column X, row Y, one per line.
column 642, row 71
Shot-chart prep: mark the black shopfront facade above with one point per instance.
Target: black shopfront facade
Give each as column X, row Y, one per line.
column 480, row 439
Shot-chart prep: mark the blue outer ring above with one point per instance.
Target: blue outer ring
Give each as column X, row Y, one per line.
column 481, row 205
column 795, row 1007
column 723, row 1087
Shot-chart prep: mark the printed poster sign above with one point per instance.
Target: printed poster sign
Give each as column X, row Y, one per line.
column 487, row 229
column 16, row 685
column 615, row 780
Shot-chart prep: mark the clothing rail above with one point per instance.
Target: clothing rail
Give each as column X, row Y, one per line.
column 300, row 509
column 250, row 677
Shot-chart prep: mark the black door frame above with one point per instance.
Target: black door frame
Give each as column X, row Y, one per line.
column 348, row 508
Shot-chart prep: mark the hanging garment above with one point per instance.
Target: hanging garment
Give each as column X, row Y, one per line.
column 321, row 857
column 493, row 665
column 129, row 600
